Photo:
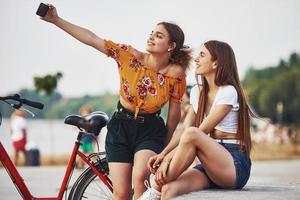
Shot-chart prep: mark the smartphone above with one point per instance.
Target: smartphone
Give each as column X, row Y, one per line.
column 42, row 10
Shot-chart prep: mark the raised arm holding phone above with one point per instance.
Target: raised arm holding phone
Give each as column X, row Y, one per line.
column 148, row 80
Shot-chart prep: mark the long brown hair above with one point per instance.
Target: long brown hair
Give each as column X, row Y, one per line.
column 181, row 55
column 227, row 74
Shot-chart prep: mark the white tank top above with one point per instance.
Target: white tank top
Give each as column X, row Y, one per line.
column 225, row 95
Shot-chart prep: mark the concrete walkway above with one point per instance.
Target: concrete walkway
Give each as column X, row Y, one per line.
column 274, row 180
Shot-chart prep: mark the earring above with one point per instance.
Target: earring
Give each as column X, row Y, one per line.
column 169, row 50
column 214, row 66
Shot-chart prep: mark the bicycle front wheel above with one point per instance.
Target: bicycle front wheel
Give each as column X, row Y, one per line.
column 89, row 186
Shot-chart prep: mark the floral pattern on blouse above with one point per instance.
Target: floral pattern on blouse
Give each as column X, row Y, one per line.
column 134, row 64
column 161, row 79
column 126, row 90
column 145, row 88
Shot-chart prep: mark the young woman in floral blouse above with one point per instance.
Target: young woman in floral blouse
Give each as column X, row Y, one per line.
column 147, row 82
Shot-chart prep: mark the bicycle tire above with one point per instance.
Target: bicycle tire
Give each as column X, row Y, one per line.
column 89, row 186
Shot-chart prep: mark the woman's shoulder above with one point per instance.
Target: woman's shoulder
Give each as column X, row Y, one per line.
column 195, row 90
column 194, row 96
column 228, row 89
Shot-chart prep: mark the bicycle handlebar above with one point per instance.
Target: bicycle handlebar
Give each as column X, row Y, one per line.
column 17, row 98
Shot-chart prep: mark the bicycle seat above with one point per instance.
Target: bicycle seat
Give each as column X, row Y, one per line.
column 91, row 123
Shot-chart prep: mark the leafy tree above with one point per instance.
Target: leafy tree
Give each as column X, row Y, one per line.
column 271, row 88
column 48, row 83
column 294, row 59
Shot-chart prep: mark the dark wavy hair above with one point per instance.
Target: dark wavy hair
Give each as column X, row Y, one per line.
column 181, row 55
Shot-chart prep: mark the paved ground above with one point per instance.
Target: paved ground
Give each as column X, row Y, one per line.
column 276, row 180
column 269, row 180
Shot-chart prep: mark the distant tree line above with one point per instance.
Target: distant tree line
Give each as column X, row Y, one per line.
column 58, row 107
column 274, row 92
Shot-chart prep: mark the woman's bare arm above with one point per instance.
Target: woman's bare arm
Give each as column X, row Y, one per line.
column 82, row 34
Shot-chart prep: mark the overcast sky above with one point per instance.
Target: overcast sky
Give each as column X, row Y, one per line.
column 260, row 32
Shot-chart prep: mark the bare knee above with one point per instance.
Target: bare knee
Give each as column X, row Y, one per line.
column 140, row 176
column 121, row 195
column 168, row 191
column 138, row 182
column 191, row 135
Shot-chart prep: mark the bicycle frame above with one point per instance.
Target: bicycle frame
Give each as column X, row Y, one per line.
column 23, row 189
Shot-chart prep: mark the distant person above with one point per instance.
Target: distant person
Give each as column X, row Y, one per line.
column 148, row 80
column 87, row 141
column 19, row 135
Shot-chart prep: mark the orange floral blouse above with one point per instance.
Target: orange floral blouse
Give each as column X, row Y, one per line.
column 145, row 88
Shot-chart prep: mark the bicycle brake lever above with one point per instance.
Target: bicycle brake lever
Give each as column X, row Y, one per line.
column 28, row 111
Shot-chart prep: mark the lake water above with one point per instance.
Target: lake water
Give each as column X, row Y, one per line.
column 51, row 137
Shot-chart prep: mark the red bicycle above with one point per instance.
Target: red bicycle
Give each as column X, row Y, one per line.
column 93, row 183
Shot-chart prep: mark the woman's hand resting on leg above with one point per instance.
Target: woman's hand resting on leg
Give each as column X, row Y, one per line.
column 154, row 162
column 161, row 173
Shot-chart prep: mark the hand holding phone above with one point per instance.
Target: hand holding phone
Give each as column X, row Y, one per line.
column 42, row 10
column 47, row 12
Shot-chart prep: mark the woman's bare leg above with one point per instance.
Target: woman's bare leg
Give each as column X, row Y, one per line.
column 190, row 181
column 216, row 160
column 121, row 180
column 140, row 171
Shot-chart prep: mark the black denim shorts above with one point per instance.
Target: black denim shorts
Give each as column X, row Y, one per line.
column 242, row 164
column 126, row 135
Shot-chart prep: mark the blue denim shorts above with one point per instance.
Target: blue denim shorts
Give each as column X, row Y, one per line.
column 242, row 164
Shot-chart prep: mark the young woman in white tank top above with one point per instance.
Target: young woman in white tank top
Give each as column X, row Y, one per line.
column 216, row 131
